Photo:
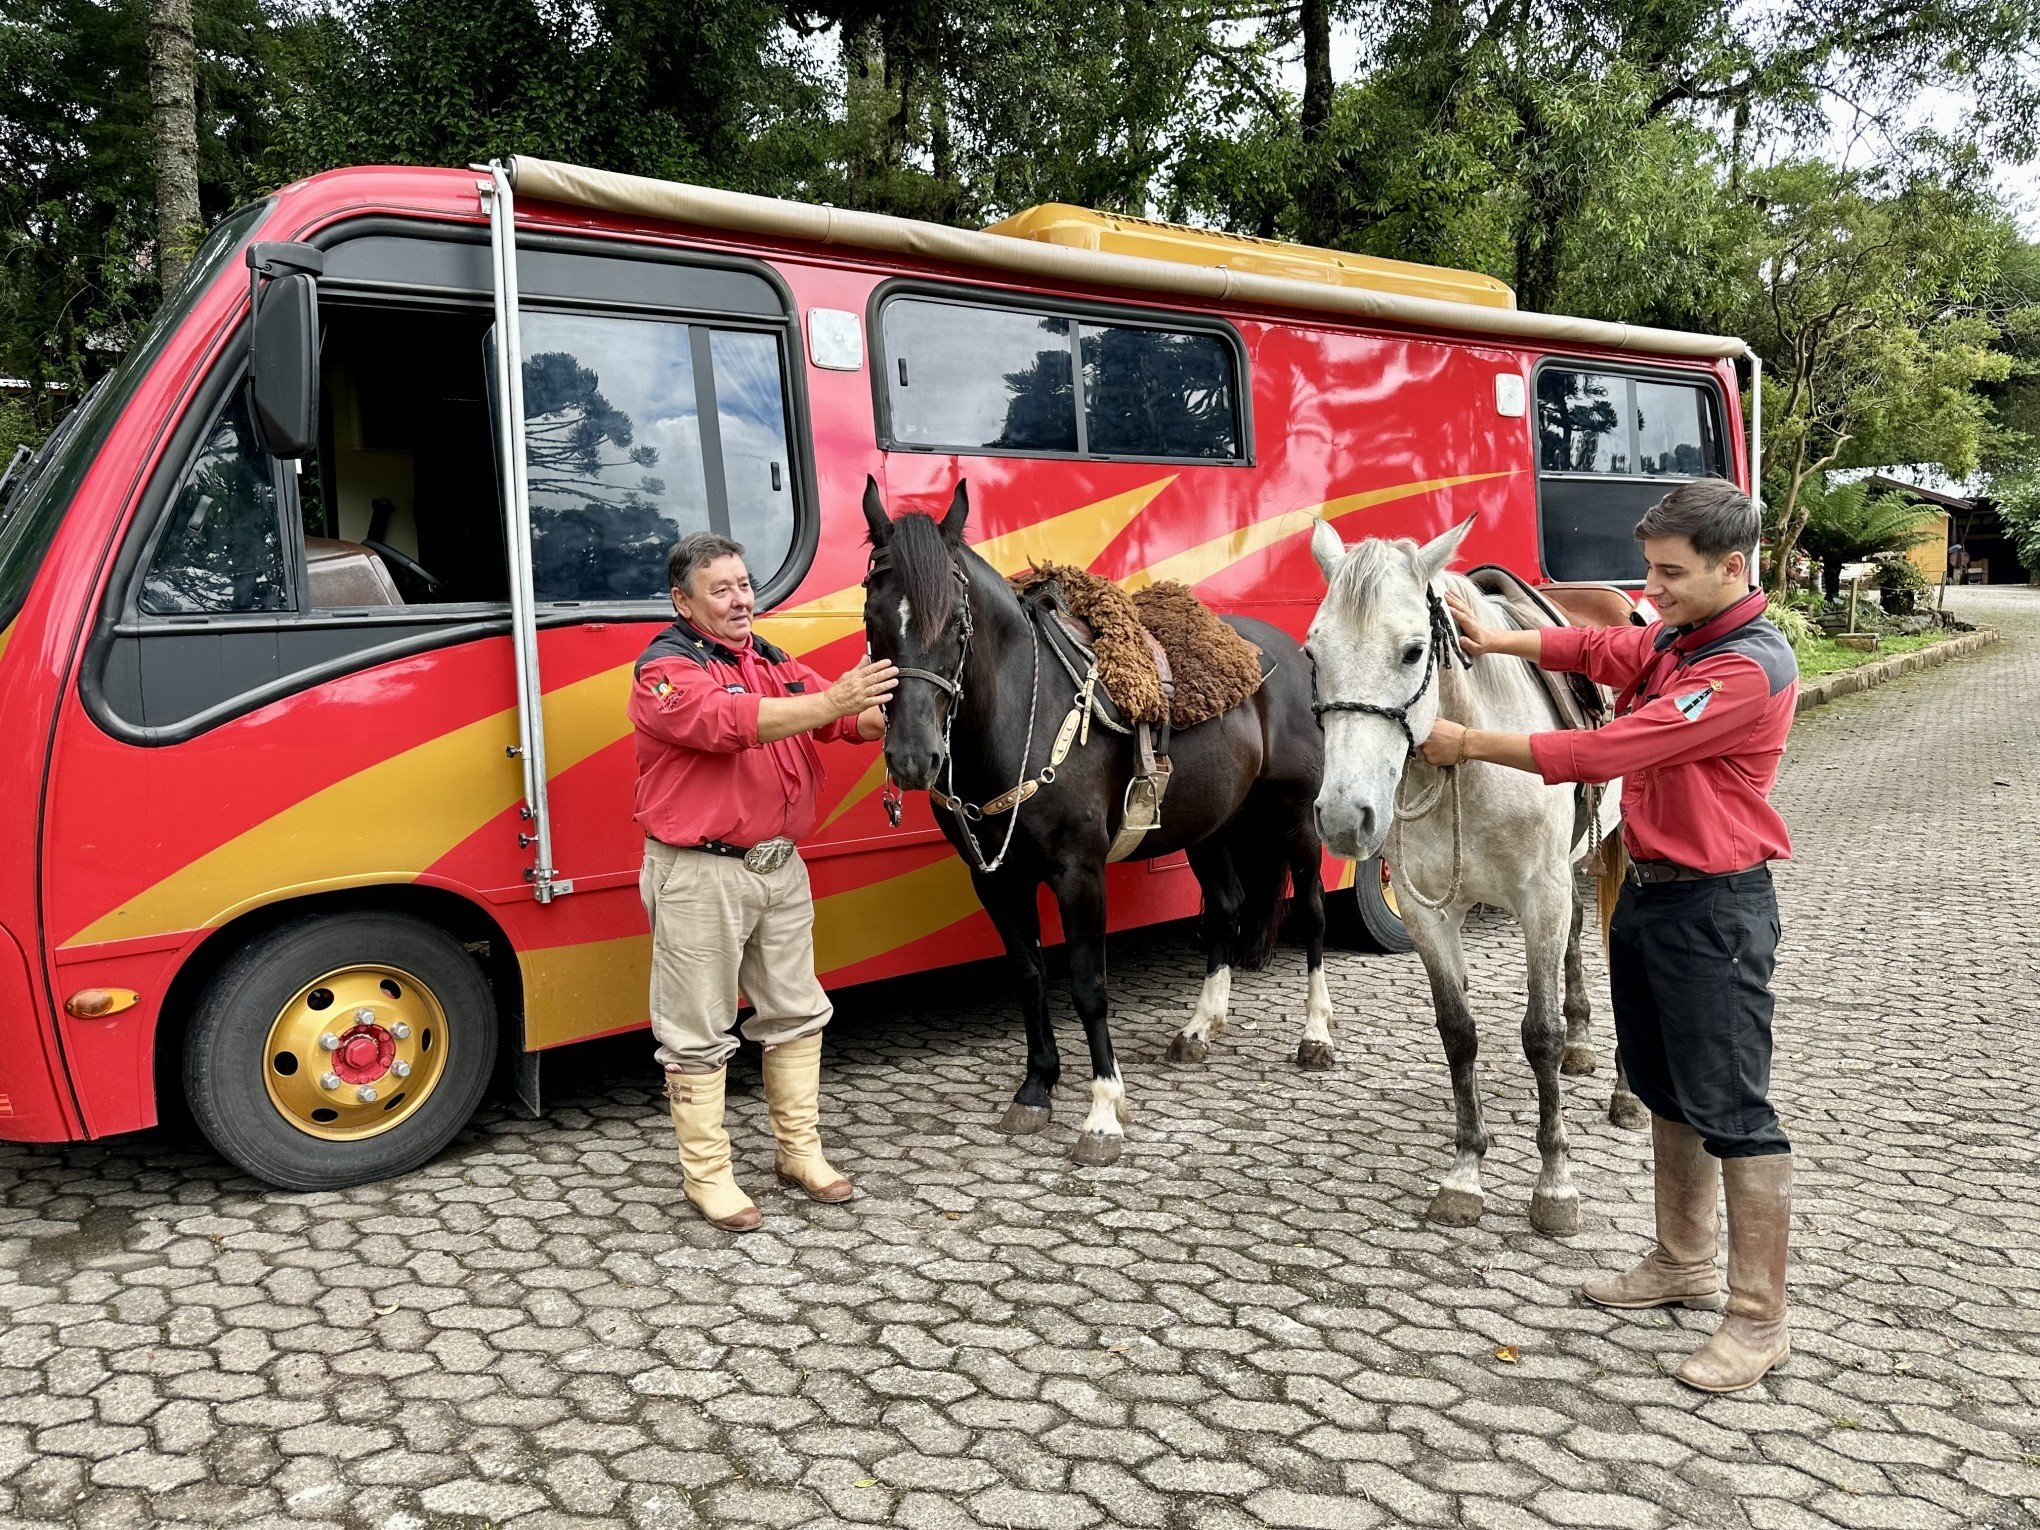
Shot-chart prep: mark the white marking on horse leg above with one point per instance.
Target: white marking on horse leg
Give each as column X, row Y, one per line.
column 1108, row 1108
column 906, row 614
column 1317, row 1014
column 1207, row 1021
column 1464, row 1175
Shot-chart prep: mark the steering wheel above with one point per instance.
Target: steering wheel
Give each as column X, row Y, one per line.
column 408, row 570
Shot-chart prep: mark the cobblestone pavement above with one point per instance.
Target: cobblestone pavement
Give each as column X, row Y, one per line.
column 1244, row 1323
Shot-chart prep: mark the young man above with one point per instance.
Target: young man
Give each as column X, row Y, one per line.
column 727, row 782
column 1706, row 697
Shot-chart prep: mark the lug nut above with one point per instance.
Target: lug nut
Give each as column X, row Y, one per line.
column 366, row 1094
column 329, row 1042
column 364, row 1017
column 329, row 1081
column 402, row 1069
column 401, row 1031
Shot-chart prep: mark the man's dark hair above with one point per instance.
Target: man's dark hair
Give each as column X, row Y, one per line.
column 1711, row 513
column 694, row 550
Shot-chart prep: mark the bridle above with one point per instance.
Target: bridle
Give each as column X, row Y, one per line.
column 952, row 685
column 1444, row 640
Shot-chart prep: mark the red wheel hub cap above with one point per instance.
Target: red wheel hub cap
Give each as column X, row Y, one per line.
column 364, row 1054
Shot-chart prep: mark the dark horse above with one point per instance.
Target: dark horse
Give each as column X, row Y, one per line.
column 981, row 703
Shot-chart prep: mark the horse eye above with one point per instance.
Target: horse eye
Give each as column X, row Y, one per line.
column 1413, row 653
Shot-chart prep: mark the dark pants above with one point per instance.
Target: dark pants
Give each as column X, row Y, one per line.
column 1689, row 967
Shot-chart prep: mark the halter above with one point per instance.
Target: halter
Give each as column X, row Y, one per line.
column 1444, row 640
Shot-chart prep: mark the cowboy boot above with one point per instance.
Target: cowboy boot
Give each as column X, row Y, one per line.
column 696, row 1100
column 793, row 1084
column 1752, row 1338
column 1679, row 1270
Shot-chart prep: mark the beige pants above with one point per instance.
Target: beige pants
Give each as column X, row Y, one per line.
column 717, row 927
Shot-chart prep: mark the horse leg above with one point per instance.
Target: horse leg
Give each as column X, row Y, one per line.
column 1459, row 1200
column 1624, row 1108
column 1307, row 906
column 1080, row 893
column 1555, row 1203
column 1578, row 1057
column 1219, row 883
column 1018, row 920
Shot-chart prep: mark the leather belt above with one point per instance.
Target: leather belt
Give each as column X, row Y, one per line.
column 1654, row 873
column 765, row 857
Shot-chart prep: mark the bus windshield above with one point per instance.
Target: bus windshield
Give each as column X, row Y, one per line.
column 36, row 504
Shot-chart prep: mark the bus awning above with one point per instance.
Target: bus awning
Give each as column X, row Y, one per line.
column 740, row 212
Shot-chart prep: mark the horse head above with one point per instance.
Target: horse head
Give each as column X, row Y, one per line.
column 917, row 614
column 1375, row 645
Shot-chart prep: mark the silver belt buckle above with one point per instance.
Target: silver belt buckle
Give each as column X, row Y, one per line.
column 767, row 856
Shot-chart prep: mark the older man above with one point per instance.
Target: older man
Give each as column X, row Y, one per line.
column 728, row 777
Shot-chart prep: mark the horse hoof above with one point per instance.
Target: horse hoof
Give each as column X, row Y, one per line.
column 1456, row 1208
column 1024, row 1120
column 1095, row 1150
column 1187, row 1049
column 1556, row 1216
column 1578, row 1060
column 1215, row 1029
column 1314, row 1055
column 1628, row 1112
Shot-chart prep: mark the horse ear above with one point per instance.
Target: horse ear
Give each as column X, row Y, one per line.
column 876, row 521
column 1436, row 555
column 959, row 512
column 1326, row 547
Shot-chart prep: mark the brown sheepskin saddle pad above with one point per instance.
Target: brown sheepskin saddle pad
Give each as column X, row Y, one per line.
column 1205, row 667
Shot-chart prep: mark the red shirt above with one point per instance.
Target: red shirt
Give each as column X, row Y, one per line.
column 702, row 772
column 1701, row 729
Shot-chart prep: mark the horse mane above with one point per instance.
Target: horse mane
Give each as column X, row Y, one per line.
column 1495, row 688
column 926, row 570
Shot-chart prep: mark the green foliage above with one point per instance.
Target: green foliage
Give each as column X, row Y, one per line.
column 1851, row 522
column 1901, row 586
column 1793, row 622
column 2018, row 500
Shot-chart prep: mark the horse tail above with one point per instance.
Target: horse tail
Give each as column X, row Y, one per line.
column 1261, row 863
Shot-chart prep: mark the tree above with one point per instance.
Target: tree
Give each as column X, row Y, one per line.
column 1852, row 522
column 1865, row 314
column 173, row 92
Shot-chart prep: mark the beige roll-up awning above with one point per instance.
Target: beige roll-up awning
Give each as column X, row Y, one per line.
column 769, row 217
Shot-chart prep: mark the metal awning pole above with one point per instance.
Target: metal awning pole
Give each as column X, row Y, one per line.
column 496, row 195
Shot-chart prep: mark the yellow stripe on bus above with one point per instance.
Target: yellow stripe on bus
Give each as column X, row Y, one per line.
column 1199, row 563
column 391, row 820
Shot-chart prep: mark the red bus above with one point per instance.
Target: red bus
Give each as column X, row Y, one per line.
column 317, row 616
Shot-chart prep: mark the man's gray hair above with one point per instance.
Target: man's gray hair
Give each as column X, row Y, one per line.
column 1711, row 513
column 693, row 551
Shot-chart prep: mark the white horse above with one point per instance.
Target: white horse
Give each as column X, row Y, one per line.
column 1384, row 648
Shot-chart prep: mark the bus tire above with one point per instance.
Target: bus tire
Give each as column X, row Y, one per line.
column 1364, row 915
column 338, row 1049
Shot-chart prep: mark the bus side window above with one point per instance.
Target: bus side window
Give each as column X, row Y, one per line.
column 638, row 431
column 221, row 549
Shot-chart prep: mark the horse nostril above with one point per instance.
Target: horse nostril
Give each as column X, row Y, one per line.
column 1367, row 825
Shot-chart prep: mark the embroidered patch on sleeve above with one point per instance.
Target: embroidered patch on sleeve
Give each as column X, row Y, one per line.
column 1693, row 703
column 662, row 689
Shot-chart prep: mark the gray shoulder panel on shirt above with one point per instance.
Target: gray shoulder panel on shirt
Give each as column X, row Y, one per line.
column 1764, row 643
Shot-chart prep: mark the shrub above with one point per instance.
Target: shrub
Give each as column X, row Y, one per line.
column 1792, row 621
column 1901, row 587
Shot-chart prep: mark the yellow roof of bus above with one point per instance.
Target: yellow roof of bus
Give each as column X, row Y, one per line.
column 1080, row 228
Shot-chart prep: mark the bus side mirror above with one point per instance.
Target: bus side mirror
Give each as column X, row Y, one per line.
column 283, row 360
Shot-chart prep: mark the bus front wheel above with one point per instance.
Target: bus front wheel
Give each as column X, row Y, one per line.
column 338, row 1049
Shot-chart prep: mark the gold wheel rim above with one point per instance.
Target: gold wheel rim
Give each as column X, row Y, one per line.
column 1388, row 892
column 355, row 1052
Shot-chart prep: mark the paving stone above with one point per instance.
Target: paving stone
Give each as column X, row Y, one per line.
column 1246, row 1323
